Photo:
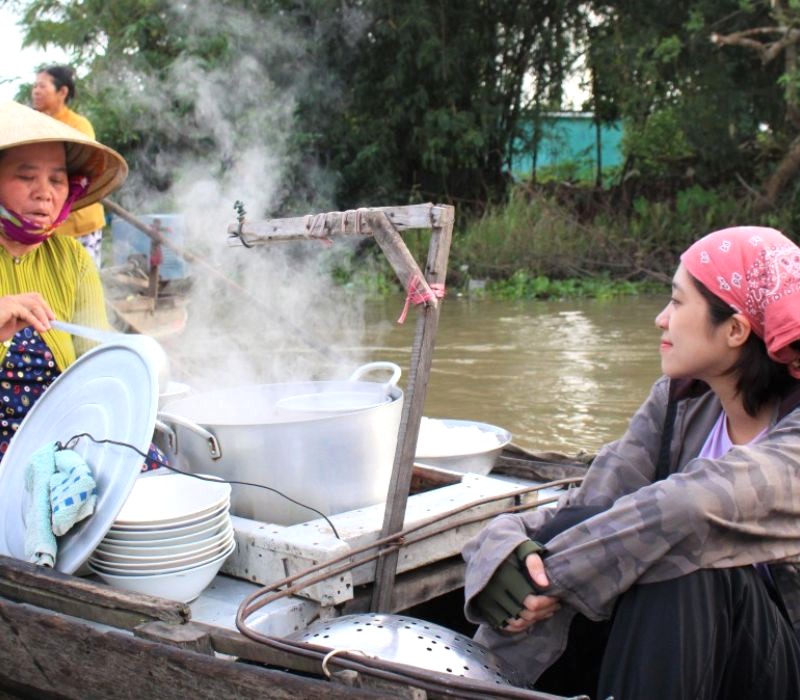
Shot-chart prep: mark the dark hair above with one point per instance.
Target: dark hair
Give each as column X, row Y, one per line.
column 760, row 378
column 61, row 75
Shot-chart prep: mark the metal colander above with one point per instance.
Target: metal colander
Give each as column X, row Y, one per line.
column 410, row 641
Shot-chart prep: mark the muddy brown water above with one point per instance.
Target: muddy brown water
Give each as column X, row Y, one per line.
column 560, row 375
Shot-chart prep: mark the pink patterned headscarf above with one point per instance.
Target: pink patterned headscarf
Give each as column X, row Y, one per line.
column 757, row 271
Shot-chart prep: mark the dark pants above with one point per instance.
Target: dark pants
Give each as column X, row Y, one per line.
column 715, row 633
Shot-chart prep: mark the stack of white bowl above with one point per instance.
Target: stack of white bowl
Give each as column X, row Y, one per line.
column 170, row 538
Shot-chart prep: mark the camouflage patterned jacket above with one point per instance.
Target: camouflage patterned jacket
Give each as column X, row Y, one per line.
column 738, row 510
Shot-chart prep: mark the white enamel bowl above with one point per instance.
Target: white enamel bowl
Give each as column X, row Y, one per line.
column 155, row 570
column 160, row 554
column 183, row 585
column 145, row 564
column 172, row 499
column 173, row 533
column 194, row 536
column 173, row 392
column 166, row 546
column 173, row 525
column 460, row 445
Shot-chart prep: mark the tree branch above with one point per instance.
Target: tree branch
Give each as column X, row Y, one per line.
column 767, row 51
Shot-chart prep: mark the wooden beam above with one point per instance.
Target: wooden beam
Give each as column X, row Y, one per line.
column 416, row 389
column 414, row 587
column 59, row 656
column 323, row 226
column 398, row 255
column 82, row 598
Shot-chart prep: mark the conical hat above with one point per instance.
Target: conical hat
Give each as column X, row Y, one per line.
column 107, row 169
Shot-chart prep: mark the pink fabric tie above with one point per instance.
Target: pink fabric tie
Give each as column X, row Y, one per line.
column 418, row 296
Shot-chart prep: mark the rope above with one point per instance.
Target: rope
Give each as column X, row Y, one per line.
column 420, row 296
column 334, row 652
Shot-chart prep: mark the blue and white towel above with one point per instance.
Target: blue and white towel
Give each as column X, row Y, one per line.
column 40, row 542
column 62, row 493
column 73, row 492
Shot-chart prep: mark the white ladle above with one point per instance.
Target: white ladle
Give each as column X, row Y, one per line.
column 147, row 346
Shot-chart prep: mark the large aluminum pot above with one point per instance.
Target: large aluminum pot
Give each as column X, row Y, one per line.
column 329, row 444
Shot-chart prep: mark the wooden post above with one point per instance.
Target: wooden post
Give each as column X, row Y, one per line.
column 416, row 388
column 155, row 259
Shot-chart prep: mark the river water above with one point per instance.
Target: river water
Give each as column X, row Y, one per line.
column 559, row 375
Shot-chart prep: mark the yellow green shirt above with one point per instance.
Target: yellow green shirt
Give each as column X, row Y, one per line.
column 87, row 219
column 64, row 274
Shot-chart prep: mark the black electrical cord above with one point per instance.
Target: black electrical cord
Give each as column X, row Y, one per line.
column 73, row 441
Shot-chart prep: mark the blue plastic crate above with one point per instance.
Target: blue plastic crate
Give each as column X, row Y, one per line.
column 129, row 240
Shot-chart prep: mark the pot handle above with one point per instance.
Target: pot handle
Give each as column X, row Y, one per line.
column 165, row 422
column 395, row 369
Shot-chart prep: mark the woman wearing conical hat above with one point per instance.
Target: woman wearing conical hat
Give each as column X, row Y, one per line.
column 47, row 171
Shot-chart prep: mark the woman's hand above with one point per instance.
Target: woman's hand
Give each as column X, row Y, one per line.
column 536, row 607
column 20, row 310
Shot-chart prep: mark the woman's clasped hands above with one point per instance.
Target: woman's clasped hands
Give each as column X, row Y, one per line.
column 512, row 600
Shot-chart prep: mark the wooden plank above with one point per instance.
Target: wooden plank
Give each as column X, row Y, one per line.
column 420, row 366
column 404, row 218
column 82, row 598
column 187, row 636
column 414, row 587
column 56, row 654
column 234, row 643
column 425, row 477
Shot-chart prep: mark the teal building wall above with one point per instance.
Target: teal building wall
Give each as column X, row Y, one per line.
column 569, row 139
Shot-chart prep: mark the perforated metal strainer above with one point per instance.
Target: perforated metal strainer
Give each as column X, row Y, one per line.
column 410, row 641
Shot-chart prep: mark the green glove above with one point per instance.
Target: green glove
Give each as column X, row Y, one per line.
column 502, row 598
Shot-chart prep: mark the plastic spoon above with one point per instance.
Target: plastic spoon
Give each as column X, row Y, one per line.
column 146, row 345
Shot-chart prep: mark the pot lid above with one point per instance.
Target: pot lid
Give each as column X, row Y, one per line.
column 111, row 392
column 334, row 401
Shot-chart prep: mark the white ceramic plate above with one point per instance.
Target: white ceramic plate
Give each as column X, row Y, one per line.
column 110, row 392
column 140, row 535
column 171, row 498
column 183, row 586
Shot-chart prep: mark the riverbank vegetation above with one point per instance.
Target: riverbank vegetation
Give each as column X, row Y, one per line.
column 311, row 105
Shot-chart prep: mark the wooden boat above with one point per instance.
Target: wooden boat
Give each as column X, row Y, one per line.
column 65, row 636
column 139, row 302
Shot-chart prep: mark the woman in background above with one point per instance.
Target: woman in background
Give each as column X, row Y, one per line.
column 672, row 571
column 53, row 90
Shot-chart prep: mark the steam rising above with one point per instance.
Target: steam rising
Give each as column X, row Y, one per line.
column 283, row 319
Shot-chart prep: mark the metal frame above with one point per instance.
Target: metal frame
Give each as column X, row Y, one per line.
column 385, row 225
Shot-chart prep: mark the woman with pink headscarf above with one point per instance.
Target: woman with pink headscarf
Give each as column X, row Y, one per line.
column 674, row 570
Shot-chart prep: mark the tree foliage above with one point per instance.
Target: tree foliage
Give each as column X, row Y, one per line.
column 350, row 102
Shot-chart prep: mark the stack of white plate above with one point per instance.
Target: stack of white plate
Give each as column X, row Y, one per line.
column 170, row 538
